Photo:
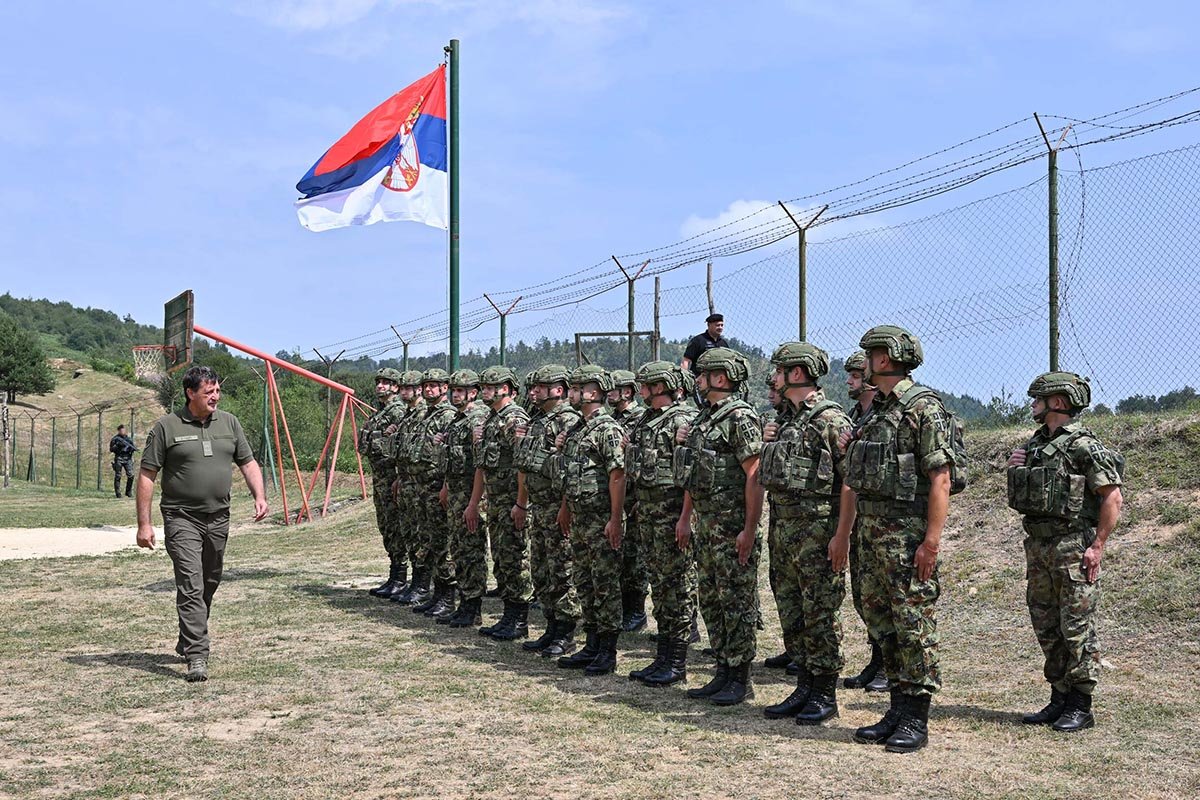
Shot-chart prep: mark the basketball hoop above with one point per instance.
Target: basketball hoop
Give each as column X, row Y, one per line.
column 150, row 361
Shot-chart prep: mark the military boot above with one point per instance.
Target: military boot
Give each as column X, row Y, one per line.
column 116, row 486
column 673, row 669
column 583, row 657
column 563, row 641
column 468, row 614
column 822, row 701
column 385, row 588
column 719, row 679
column 129, row 487
column 413, row 592
column 401, row 583
column 504, row 620
column 1077, row 715
column 778, row 662
column 444, row 607
column 869, row 672
column 912, row 731
column 1050, row 714
column 430, row 599
column 539, row 644
column 451, row 611
column 517, row 627
column 634, row 616
column 738, row 689
column 660, row 655
column 794, row 702
column 694, row 634
column 880, row 731
column 606, row 655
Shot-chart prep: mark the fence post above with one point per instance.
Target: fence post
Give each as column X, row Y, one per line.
column 708, row 287
column 629, row 280
column 99, row 443
column 53, row 449
column 31, row 470
column 802, row 268
column 132, row 434
column 78, row 450
column 1052, row 233
column 4, row 432
column 503, row 326
column 657, row 331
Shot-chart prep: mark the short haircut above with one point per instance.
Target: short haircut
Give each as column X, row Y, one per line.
column 197, row 375
column 120, row 427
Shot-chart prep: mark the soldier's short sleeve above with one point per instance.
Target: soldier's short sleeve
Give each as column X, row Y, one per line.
column 611, row 447
column 745, row 435
column 1101, row 465
column 242, row 452
column 934, row 448
column 833, row 424
column 155, row 451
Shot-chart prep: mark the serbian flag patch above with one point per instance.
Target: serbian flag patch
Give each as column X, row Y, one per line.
column 391, row 166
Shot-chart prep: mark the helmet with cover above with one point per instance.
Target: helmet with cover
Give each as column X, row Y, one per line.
column 389, row 374
column 856, row 361
column 1074, row 387
column 592, row 373
column 464, row 379
column 411, row 377
column 659, row 372
column 902, row 346
column 802, row 354
column 435, row 375
column 550, row 374
column 723, row 359
column 497, row 376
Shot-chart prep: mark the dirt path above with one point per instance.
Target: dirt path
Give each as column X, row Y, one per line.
column 18, row 543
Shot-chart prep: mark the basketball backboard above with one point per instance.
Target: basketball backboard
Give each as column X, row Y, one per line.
column 178, row 317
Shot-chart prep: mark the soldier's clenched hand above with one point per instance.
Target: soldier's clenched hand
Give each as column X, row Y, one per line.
column 1017, row 459
column 770, row 431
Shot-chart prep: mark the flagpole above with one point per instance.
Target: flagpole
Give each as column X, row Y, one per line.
column 453, row 114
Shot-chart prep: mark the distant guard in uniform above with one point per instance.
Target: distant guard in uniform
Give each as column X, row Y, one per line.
column 122, row 448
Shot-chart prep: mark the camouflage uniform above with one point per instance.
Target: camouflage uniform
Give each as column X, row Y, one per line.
column 510, row 547
column 375, row 443
column 783, row 412
column 635, row 581
column 428, row 476
column 468, row 550
column 406, row 519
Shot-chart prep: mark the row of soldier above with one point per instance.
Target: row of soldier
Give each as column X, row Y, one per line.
column 584, row 494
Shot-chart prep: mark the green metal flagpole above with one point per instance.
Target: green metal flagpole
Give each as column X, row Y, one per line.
column 453, row 111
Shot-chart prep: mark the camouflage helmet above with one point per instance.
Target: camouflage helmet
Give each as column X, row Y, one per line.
column 435, row 375
column 550, row 374
column 855, row 361
column 901, row 345
column 592, row 373
column 388, row 374
column 659, row 372
column 1075, row 387
column 686, row 379
column 411, row 377
column 723, row 359
column 622, row 378
column 498, row 375
column 464, row 379
column 802, row 354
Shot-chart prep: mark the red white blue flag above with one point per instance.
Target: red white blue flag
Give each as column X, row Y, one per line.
column 391, row 166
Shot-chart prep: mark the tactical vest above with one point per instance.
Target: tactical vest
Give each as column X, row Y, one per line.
column 584, row 478
column 535, row 454
column 890, row 482
column 698, row 466
column 1048, row 486
column 797, row 469
column 455, row 458
column 648, row 456
column 490, row 453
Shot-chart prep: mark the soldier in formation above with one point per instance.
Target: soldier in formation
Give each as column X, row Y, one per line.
column 420, row 454
column 374, row 442
column 635, row 583
column 404, row 487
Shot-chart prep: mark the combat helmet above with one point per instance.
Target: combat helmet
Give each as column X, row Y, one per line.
column 855, row 361
column 659, row 372
column 802, row 354
column 435, row 375
column 592, row 373
column 464, row 379
column 901, row 345
column 411, row 377
column 723, row 359
column 550, row 374
column 622, row 378
column 388, row 374
column 499, row 375
column 1076, row 388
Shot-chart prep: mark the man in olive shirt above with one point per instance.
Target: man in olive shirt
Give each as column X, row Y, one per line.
column 195, row 449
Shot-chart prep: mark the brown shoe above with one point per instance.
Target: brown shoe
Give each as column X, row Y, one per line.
column 197, row 670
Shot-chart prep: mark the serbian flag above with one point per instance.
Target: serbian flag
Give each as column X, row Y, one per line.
column 391, row 166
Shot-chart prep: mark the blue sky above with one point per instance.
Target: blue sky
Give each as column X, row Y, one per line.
column 153, row 147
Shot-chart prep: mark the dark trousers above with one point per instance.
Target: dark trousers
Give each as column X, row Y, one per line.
column 196, row 544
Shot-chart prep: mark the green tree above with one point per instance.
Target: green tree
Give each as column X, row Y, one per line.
column 23, row 366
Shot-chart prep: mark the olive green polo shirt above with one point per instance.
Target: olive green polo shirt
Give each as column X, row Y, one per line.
column 195, row 459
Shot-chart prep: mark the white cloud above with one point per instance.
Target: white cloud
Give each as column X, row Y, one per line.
column 742, row 216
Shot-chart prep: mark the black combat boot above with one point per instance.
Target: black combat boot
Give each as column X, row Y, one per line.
column 581, row 658
column 401, row 583
column 634, row 616
column 444, row 607
column 912, row 732
column 1077, row 715
column 606, row 655
column 822, row 702
column 673, row 669
column 563, row 641
column 517, row 627
column 1050, row 714
column 778, row 662
column 539, row 644
column 504, row 620
column 869, row 672
column 129, row 487
column 660, row 656
column 719, row 679
column 431, row 599
column 116, row 486
column 738, row 689
column 694, row 634
column 385, row 588
column 417, row 590
column 451, row 611
column 795, row 701
column 468, row 614
column 880, row 731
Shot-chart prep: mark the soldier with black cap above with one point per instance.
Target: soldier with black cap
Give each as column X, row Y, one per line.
column 1067, row 486
column 701, row 343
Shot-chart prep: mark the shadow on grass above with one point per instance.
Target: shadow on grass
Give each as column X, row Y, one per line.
column 153, row 663
column 227, row 576
column 634, row 651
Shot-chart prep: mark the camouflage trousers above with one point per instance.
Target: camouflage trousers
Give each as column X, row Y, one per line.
column 405, row 521
column 672, row 571
column 635, row 579
column 808, row 592
column 899, row 608
column 510, row 548
column 856, row 567
column 432, row 550
column 1062, row 606
column 597, row 568
column 385, row 510
column 552, row 559
column 468, row 551
column 728, row 591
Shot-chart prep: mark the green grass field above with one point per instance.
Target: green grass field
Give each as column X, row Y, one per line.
column 319, row 690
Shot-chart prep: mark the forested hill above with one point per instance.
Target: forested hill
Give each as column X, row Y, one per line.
column 86, row 334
